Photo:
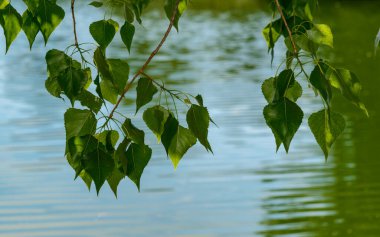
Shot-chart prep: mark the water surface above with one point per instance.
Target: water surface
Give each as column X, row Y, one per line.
column 245, row 189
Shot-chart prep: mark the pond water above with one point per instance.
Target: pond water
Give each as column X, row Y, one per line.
column 245, row 188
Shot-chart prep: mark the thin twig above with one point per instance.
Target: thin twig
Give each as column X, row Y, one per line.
column 287, row 27
column 142, row 69
column 74, row 23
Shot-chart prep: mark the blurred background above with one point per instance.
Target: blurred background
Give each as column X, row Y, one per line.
column 245, row 188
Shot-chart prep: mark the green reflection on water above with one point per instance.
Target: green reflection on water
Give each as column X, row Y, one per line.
column 342, row 197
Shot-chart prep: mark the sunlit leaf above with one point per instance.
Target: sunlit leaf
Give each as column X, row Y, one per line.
column 32, row 5
column 326, row 127
column 30, row 26
column 11, row 22
column 176, row 140
column 198, row 120
column 284, row 118
column 49, row 16
column 145, row 92
column 109, row 92
column 79, row 123
column 321, row 34
column 170, row 6
column 349, row 85
column 72, row 83
column 155, row 119
column 3, row 4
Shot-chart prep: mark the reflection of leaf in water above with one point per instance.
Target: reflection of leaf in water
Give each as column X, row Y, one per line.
column 377, row 41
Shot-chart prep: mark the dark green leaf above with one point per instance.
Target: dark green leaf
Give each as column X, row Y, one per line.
column 199, row 100
column 99, row 164
column 57, row 62
column 320, row 82
column 96, row 4
column 91, row 101
column 349, row 85
column 127, row 31
column 30, row 26
column 155, row 119
column 49, row 16
column 102, row 65
column 104, row 31
column 114, row 179
column 145, row 92
column 282, row 83
column 198, row 120
column 284, row 118
column 79, row 123
column 11, row 23
column 133, row 133
column 72, row 82
column 138, row 157
column 129, row 15
column 272, row 32
column 326, row 127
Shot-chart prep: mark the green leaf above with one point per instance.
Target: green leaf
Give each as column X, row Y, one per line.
column 120, row 73
column 96, row 4
column 32, row 5
column 57, row 62
column 129, row 15
column 49, row 16
column 304, row 42
column 109, row 92
column 79, row 123
column 30, row 26
column 283, row 82
column 53, row 87
column 155, row 118
column 109, row 138
column 199, row 99
column 170, row 6
column 326, row 127
column 127, row 31
column 319, row 81
column 145, row 92
column 11, row 23
column 79, row 171
column 133, row 133
column 72, row 82
column 103, row 32
column 3, row 4
column 293, row 92
column 284, row 118
column 198, row 120
column 102, row 65
column 137, row 158
column 272, row 32
column 98, row 163
column 114, row 179
column 176, row 140
column 349, row 85
column 321, row 34
column 91, row 101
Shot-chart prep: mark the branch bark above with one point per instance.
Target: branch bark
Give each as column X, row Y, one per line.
column 295, row 51
column 74, row 23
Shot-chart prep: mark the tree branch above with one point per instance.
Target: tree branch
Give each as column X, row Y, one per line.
column 142, row 69
column 295, row 51
column 74, row 23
